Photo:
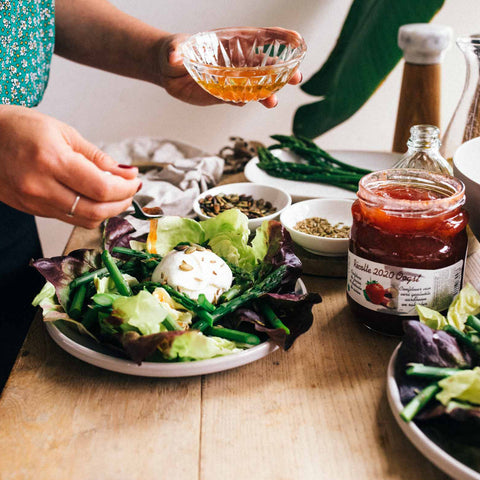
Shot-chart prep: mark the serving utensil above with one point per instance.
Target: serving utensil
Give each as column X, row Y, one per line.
column 146, row 213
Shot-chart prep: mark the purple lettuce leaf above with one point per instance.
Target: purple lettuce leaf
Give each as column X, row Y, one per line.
column 280, row 252
column 60, row 271
column 139, row 347
column 295, row 311
column 117, row 232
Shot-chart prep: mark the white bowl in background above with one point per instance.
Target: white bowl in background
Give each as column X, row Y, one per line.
column 466, row 167
column 333, row 210
column 277, row 197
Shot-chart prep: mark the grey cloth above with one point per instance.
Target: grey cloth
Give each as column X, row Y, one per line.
column 173, row 173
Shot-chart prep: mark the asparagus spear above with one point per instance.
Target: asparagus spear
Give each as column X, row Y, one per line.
column 462, row 337
column 78, row 301
column 266, row 285
column 426, row 371
column 473, row 322
column 275, row 322
column 234, row 335
column 418, row 402
column 122, row 286
column 87, row 277
column 312, row 151
column 135, row 253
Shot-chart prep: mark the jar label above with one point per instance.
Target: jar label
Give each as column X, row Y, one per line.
column 396, row 290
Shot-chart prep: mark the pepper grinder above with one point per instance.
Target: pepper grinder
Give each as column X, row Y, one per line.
column 423, row 46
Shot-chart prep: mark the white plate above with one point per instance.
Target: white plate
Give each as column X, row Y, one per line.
column 445, row 462
column 86, row 349
column 305, row 190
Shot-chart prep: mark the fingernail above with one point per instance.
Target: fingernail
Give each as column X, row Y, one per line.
column 301, row 77
column 123, row 165
column 139, row 187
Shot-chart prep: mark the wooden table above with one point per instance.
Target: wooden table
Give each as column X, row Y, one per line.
column 318, row 411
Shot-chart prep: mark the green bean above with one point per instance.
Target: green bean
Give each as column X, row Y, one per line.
column 171, row 324
column 135, row 253
column 122, row 286
column 87, row 277
column 426, row 371
column 205, row 304
column 463, row 338
column 275, row 322
column 104, row 299
column 233, row 335
column 78, row 301
column 473, row 322
column 418, row 402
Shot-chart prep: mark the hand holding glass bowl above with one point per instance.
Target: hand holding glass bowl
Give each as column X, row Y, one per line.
column 244, row 64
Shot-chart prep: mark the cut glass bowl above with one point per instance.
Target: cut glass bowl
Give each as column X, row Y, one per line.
column 243, row 64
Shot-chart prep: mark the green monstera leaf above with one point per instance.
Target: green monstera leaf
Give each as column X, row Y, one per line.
column 365, row 53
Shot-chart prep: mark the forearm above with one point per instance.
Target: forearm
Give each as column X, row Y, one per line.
column 96, row 33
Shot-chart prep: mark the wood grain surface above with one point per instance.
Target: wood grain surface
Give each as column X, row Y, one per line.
column 318, row 411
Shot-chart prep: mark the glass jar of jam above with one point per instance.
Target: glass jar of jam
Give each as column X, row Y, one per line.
column 408, row 245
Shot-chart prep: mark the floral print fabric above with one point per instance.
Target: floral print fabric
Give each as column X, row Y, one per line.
column 27, row 39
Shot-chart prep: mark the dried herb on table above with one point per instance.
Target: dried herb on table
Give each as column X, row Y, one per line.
column 237, row 156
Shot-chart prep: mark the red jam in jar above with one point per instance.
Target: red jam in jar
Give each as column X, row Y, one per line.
column 408, row 245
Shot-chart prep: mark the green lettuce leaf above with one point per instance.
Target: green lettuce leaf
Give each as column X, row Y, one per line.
column 227, row 235
column 463, row 385
column 193, row 345
column 167, row 232
column 431, row 318
column 466, row 303
column 143, row 311
column 52, row 311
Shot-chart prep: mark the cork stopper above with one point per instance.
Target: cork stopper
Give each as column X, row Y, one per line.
column 424, row 43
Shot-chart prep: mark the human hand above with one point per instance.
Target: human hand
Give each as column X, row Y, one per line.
column 46, row 164
column 179, row 84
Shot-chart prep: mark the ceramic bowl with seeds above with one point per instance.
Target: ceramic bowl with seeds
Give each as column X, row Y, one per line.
column 258, row 202
column 320, row 226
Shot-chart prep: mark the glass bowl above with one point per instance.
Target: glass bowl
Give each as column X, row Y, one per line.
column 243, row 64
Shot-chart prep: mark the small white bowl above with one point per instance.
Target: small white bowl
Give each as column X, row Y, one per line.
column 333, row 210
column 466, row 167
column 278, row 198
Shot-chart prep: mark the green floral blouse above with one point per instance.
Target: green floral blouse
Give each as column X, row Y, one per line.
column 27, row 39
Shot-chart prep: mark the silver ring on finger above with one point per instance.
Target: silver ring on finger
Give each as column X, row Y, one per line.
column 71, row 213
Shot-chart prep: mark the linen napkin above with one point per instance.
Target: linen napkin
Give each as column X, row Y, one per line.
column 173, row 173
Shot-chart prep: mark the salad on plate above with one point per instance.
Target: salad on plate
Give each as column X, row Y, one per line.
column 437, row 371
column 189, row 291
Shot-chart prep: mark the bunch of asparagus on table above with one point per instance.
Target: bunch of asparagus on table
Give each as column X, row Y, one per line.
column 318, row 165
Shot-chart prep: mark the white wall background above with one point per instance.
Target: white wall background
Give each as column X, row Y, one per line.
column 106, row 107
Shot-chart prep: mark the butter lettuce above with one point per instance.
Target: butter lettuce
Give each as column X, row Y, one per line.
column 227, row 235
column 463, row 385
column 431, row 318
column 167, row 232
column 193, row 345
column 142, row 311
column 466, row 303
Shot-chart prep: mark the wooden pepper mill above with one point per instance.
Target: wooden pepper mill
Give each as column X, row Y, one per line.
column 423, row 46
